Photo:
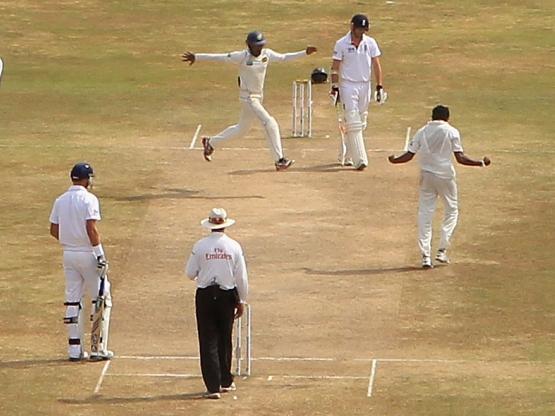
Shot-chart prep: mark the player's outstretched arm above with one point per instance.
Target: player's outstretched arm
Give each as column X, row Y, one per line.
column 404, row 158
column 465, row 160
column 188, row 57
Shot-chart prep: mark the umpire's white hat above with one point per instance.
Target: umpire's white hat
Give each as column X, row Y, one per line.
column 217, row 219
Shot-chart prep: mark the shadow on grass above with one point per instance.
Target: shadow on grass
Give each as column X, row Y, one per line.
column 173, row 193
column 99, row 398
column 37, row 363
column 383, row 270
column 327, row 168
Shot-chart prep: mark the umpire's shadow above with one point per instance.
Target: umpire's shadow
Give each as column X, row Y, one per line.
column 99, row 398
column 364, row 272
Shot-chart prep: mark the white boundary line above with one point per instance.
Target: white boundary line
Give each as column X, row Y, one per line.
column 372, row 377
column 195, row 136
column 102, row 375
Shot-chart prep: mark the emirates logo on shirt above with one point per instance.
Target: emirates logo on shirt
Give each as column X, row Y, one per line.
column 218, row 254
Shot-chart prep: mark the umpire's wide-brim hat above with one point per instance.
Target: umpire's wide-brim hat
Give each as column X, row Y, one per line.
column 217, row 219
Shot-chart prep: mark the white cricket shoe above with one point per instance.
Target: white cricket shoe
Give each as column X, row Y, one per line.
column 231, row 387
column 427, row 262
column 283, row 164
column 362, row 166
column 102, row 355
column 214, row 396
column 441, row 256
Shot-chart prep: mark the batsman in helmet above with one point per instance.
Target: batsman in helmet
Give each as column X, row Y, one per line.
column 355, row 57
column 73, row 223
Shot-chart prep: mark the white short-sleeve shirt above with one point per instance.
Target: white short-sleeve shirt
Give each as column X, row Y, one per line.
column 435, row 144
column 356, row 63
column 218, row 260
column 71, row 212
column 252, row 69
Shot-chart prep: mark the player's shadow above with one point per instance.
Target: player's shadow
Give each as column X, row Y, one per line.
column 364, row 272
column 326, row 168
column 37, row 363
column 174, row 193
column 99, row 398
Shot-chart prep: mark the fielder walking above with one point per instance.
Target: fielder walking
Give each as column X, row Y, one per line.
column 253, row 63
column 218, row 265
column 73, row 222
column 436, row 142
column 355, row 58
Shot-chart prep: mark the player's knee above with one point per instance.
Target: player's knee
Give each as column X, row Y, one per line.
column 353, row 122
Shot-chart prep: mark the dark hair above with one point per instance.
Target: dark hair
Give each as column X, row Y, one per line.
column 440, row 112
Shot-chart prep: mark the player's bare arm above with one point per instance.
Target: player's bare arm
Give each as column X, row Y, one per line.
column 377, row 70
column 55, row 230
column 404, row 158
column 465, row 160
column 188, row 57
column 239, row 309
column 92, row 232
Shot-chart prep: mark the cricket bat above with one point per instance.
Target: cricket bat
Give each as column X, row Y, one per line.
column 97, row 316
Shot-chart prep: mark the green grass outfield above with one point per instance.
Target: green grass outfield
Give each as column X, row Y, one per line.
column 102, row 81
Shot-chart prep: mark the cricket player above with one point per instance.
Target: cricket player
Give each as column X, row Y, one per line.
column 218, row 265
column 355, row 58
column 436, row 142
column 253, row 63
column 73, row 223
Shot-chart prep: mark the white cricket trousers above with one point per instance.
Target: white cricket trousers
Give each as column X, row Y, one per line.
column 432, row 187
column 251, row 109
column 356, row 98
column 82, row 277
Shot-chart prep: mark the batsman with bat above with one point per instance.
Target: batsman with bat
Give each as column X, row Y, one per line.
column 355, row 57
column 73, row 223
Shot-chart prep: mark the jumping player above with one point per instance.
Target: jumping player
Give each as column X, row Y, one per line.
column 253, row 62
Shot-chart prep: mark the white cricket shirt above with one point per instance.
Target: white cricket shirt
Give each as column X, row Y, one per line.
column 71, row 212
column 435, row 144
column 356, row 63
column 252, row 69
column 218, row 260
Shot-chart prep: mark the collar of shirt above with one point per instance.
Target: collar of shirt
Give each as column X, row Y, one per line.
column 77, row 188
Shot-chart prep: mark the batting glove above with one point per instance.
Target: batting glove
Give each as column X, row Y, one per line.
column 380, row 95
column 334, row 94
column 101, row 264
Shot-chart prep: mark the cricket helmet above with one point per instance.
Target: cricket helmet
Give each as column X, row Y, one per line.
column 256, row 38
column 319, row 76
column 360, row 20
column 81, row 171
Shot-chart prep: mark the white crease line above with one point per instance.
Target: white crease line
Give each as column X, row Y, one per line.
column 324, row 377
column 268, row 378
column 294, row 359
column 372, row 377
column 170, row 357
column 102, row 375
column 195, row 136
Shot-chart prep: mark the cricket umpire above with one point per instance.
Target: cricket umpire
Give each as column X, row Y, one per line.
column 73, row 222
column 218, row 265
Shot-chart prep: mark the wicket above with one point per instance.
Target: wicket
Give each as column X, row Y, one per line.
column 302, row 108
column 239, row 341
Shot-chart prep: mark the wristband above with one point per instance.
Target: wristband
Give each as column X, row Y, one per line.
column 98, row 250
column 379, row 87
column 483, row 164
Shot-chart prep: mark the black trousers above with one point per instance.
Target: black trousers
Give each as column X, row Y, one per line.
column 215, row 308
